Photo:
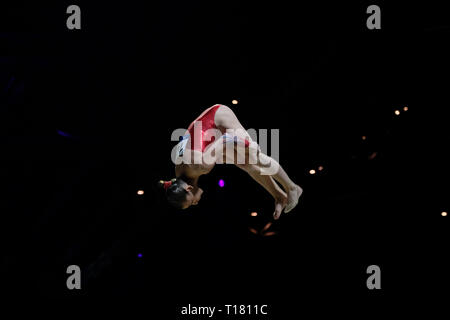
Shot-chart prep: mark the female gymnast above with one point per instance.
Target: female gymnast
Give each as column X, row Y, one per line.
column 183, row 191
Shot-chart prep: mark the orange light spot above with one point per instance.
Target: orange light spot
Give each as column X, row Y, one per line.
column 373, row 155
column 267, row 226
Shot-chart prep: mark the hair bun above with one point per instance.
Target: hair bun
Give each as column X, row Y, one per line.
column 165, row 184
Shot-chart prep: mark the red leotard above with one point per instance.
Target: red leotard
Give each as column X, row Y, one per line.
column 207, row 121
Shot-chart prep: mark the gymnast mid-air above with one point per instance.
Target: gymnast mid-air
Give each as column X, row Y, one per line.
column 199, row 150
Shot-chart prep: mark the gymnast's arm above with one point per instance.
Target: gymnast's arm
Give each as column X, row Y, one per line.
column 179, row 169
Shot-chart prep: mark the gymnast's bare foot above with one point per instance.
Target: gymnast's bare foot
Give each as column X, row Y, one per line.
column 280, row 203
column 294, row 194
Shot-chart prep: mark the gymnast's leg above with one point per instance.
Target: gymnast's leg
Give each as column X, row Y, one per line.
column 293, row 190
column 226, row 119
column 270, row 185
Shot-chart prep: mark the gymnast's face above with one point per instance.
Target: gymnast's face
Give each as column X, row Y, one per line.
column 193, row 196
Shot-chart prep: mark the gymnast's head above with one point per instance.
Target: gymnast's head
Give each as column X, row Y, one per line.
column 180, row 194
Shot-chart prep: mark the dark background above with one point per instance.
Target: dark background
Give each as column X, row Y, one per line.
column 86, row 120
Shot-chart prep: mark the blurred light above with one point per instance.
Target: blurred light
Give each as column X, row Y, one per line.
column 140, row 192
column 312, row 171
column 373, row 155
column 267, row 226
column 139, row 255
column 364, row 137
column 263, row 232
column 405, row 108
column 444, row 214
column 234, row 102
column 320, row 168
column 397, row 112
column 254, row 214
column 63, row 134
column 221, row 183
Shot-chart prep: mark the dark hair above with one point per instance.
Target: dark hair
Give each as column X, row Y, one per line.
column 175, row 192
